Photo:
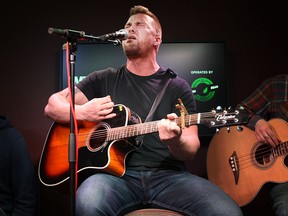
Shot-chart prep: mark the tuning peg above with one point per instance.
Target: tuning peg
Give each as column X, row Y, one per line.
column 241, row 108
column 219, row 108
column 239, row 128
column 217, row 130
column 228, row 129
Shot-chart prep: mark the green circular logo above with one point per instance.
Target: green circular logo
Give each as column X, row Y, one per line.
column 202, row 90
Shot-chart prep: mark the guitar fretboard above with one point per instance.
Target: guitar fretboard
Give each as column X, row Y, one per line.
column 211, row 119
column 281, row 149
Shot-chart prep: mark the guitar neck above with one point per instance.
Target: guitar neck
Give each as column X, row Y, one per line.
column 211, row 119
column 281, row 149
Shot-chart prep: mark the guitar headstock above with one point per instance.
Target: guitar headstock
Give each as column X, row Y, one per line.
column 226, row 117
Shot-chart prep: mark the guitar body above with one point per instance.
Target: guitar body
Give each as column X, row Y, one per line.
column 94, row 150
column 104, row 147
column 240, row 165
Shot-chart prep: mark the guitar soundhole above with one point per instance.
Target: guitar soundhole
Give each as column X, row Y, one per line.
column 97, row 138
column 263, row 156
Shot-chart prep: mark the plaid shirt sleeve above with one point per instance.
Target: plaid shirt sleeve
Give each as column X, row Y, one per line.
column 268, row 100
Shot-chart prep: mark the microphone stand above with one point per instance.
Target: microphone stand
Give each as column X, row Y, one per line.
column 72, row 38
column 72, row 147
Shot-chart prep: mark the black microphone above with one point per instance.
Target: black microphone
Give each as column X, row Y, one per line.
column 67, row 33
column 114, row 37
column 122, row 34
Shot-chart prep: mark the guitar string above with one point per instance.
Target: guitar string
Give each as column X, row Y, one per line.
column 119, row 132
column 141, row 128
column 260, row 156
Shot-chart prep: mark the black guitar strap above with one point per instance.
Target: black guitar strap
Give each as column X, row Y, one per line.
column 156, row 102
column 159, row 96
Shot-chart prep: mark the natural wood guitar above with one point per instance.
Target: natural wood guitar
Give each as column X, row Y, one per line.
column 241, row 165
column 104, row 146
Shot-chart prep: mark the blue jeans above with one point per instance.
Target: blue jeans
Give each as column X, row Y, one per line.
column 279, row 199
column 104, row 194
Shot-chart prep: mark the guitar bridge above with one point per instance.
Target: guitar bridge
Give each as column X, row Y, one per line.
column 234, row 165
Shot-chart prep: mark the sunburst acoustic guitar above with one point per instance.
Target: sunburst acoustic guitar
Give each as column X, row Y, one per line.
column 104, row 146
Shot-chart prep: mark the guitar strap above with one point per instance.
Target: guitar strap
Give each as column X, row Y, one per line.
column 156, row 102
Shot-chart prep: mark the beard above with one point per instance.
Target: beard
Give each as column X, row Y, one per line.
column 131, row 50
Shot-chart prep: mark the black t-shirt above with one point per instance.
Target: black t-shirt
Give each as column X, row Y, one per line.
column 138, row 94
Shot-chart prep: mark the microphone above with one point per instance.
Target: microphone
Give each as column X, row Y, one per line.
column 122, row 34
column 114, row 37
column 67, row 33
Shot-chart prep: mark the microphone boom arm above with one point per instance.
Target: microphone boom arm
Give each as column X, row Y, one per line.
column 114, row 38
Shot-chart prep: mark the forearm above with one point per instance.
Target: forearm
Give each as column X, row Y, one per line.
column 58, row 109
column 187, row 145
column 95, row 110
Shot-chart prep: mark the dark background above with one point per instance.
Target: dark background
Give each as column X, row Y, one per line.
column 255, row 34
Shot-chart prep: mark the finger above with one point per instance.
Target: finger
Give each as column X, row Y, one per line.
column 175, row 128
column 172, row 116
column 103, row 100
column 270, row 140
column 273, row 140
